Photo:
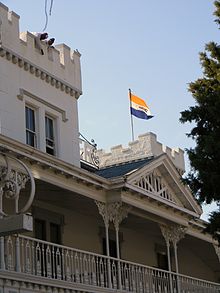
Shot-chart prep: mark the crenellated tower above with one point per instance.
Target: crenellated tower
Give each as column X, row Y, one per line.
column 38, row 92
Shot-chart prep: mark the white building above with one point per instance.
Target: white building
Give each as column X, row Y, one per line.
column 129, row 226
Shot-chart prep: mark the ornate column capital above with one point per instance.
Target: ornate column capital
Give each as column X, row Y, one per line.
column 117, row 213
column 103, row 211
column 114, row 212
column 173, row 233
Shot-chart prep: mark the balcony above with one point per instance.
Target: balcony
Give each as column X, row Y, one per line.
column 89, row 272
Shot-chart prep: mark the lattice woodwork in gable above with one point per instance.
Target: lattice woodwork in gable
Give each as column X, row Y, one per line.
column 155, row 184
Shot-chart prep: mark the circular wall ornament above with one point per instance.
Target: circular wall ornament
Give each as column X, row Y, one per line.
column 14, row 176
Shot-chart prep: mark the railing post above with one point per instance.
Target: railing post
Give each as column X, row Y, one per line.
column 17, row 255
column 2, row 253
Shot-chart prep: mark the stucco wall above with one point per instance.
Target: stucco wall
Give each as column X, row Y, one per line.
column 138, row 247
column 82, row 232
column 193, row 265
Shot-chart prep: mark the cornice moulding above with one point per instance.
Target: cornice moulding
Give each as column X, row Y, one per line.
column 39, row 72
column 39, row 158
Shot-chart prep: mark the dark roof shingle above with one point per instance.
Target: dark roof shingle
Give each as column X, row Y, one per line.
column 123, row 168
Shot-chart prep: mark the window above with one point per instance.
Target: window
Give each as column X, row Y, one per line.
column 162, row 261
column 40, row 229
column 112, row 247
column 47, row 231
column 48, row 225
column 30, row 126
column 161, row 254
column 55, row 233
column 49, row 132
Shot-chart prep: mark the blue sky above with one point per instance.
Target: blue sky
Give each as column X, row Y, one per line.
column 149, row 46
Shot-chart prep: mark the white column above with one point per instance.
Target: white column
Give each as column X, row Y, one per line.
column 103, row 211
column 107, row 239
column 173, row 234
column 118, row 257
column 176, row 264
column 2, row 253
column 177, row 233
column 168, row 255
column 118, row 213
column 176, row 258
column 166, row 234
column 117, row 241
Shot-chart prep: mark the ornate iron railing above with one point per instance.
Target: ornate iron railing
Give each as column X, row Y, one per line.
column 88, row 151
column 43, row 259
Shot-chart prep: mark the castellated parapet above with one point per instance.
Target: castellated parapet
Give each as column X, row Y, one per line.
column 48, row 86
column 146, row 146
column 60, row 66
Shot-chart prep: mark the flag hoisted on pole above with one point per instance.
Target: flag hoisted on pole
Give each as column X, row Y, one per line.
column 138, row 108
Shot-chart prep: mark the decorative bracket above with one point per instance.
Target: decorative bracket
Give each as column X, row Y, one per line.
column 14, row 175
column 173, row 233
column 103, row 211
column 114, row 212
column 117, row 213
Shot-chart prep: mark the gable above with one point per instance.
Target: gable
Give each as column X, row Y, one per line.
column 154, row 183
column 160, row 179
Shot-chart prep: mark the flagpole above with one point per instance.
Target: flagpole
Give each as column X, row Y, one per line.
column 132, row 124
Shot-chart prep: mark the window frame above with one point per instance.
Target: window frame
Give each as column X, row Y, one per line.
column 48, row 218
column 29, row 131
column 52, row 140
column 162, row 257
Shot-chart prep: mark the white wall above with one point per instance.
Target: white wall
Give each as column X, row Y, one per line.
column 50, row 83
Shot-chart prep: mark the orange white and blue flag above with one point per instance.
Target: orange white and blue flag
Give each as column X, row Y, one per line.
column 139, row 108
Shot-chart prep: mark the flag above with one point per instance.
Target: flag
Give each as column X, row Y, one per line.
column 139, row 108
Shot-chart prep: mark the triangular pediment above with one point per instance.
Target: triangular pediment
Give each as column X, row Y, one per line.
column 154, row 183
column 160, row 179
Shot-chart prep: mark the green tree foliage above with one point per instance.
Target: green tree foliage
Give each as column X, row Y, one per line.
column 204, row 177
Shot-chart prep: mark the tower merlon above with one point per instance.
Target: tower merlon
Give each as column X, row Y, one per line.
column 65, row 54
column 145, row 146
column 59, row 61
column 9, row 24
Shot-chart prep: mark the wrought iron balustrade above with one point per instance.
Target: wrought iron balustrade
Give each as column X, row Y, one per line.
column 88, row 151
column 43, row 259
